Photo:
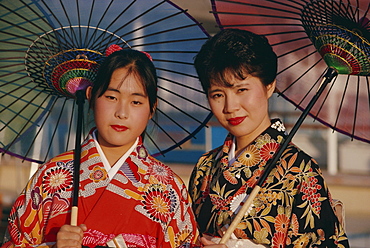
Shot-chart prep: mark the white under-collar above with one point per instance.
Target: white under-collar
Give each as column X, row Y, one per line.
column 112, row 170
column 231, row 154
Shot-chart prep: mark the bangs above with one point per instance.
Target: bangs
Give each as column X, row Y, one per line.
column 223, row 78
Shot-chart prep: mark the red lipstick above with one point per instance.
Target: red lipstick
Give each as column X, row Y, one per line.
column 236, row 121
column 119, row 128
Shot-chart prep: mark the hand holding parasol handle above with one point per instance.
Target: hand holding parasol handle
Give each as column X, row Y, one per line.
column 328, row 77
column 80, row 99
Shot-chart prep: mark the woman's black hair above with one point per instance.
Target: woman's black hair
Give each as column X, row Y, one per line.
column 238, row 53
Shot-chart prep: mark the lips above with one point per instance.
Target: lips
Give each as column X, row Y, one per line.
column 119, row 128
column 236, row 121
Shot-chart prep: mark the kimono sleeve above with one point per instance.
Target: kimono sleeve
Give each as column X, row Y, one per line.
column 30, row 213
column 314, row 223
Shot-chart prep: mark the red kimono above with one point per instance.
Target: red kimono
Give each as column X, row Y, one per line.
column 145, row 202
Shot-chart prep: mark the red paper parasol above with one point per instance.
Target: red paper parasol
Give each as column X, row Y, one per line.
column 309, row 37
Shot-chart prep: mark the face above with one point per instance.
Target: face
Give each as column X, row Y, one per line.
column 121, row 113
column 242, row 108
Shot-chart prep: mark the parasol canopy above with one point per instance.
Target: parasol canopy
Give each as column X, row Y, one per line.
column 309, row 37
column 50, row 49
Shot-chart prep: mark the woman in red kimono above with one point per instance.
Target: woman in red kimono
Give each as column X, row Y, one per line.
column 293, row 208
column 126, row 197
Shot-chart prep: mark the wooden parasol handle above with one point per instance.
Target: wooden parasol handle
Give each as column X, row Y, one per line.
column 242, row 212
column 74, row 214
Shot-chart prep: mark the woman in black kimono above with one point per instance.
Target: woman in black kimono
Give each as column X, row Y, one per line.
column 294, row 208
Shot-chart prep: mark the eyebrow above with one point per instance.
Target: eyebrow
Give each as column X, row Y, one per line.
column 135, row 93
column 240, row 85
column 213, row 91
column 237, row 85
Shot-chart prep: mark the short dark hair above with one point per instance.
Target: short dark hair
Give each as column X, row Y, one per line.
column 236, row 52
column 137, row 63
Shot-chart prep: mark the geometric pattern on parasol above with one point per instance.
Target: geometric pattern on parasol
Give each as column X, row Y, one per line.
column 309, row 37
column 50, row 49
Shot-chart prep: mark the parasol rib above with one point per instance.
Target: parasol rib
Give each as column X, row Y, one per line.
column 180, row 110
column 55, row 129
column 182, row 97
column 297, row 80
column 101, row 19
column 174, row 121
column 130, row 21
column 28, row 121
column 266, row 7
column 175, row 72
column 185, row 86
column 52, row 104
column 155, row 22
column 161, row 32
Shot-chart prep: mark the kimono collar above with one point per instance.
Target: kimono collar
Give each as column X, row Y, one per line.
column 273, row 136
column 112, row 170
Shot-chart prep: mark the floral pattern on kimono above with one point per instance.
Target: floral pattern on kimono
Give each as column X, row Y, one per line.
column 145, row 202
column 293, row 207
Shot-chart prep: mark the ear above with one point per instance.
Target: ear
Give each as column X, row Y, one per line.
column 271, row 88
column 88, row 93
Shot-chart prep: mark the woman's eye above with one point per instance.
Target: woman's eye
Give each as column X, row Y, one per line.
column 110, row 97
column 214, row 96
column 242, row 89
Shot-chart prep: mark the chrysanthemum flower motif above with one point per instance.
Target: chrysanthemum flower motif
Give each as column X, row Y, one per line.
column 230, row 177
column 238, row 202
column 250, row 156
column 282, row 223
column 57, row 180
column 268, row 150
column 157, row 205
column 161, row 172
column 279, row 240
column 98, row 174
column 182, row 237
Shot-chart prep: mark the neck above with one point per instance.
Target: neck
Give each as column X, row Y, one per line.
column 113, row 154
column 243, row 141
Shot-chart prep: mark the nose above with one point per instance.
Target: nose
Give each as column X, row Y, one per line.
column 231, row 105
column 122, row 112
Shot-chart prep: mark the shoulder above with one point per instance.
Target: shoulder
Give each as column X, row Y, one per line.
column 57, row 161
column 210, row 155
column 297, row 157
column 293, row 149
